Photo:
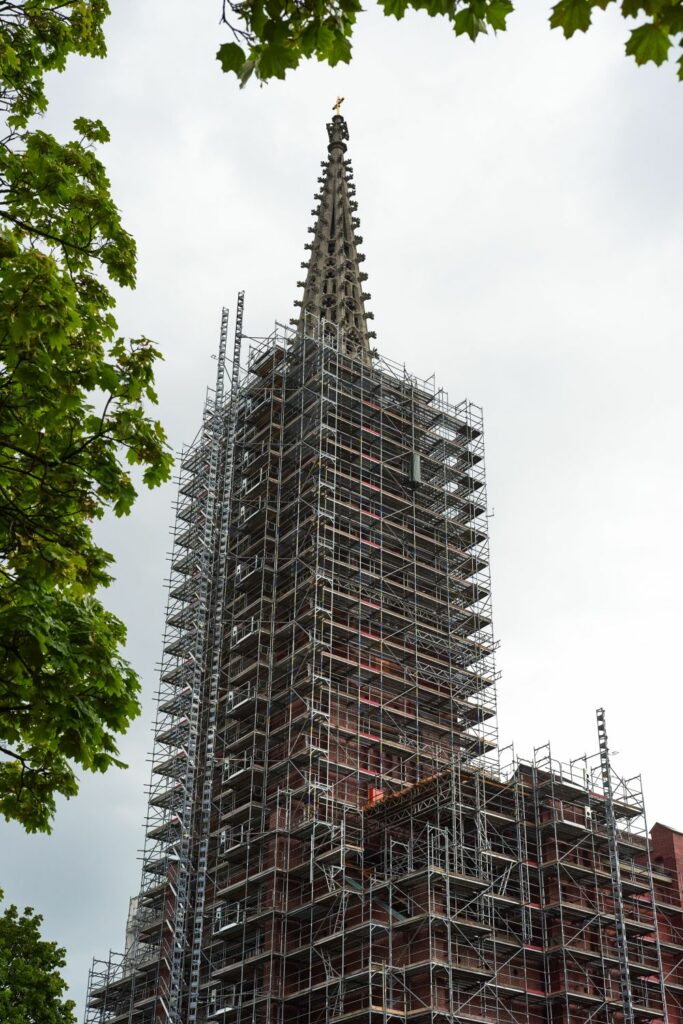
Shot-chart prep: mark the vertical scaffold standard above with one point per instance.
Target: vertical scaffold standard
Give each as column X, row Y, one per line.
column 615, row 869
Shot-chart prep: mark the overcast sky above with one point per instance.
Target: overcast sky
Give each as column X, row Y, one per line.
column 520, row 201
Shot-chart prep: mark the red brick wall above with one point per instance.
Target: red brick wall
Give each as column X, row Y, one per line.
column 667, row 851
column 667, row 865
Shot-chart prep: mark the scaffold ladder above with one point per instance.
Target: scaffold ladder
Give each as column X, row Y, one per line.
column 523, row 858
column 177, row 922
column 237, row 350
column 615, row 869
column 331, row 972
column 341, row 912
column 178, row 911
column 221, row 473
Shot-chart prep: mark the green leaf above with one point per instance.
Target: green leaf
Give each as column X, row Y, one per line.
column 468, row 22
column 394, row 8
column 571, row 16
column 340, row 51
column 231, row 57
column 94, row 131
column 497, row 13
column 274, row 60
column 648, row 43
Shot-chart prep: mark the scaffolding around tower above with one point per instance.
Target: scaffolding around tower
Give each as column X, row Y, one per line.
column 362, row 656
column 357, row 849
column 333, row 836
column 294, row 472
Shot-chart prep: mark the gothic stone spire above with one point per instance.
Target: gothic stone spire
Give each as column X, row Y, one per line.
column 333, row 288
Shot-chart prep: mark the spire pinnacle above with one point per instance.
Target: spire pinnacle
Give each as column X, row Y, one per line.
column 333, row 289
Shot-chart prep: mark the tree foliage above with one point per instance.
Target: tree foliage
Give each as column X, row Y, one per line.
column 31, row 987
column 73, row 423
column 272, row 36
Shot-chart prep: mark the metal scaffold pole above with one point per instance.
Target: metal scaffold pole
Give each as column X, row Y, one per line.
column 615, row 868
column 222, row 441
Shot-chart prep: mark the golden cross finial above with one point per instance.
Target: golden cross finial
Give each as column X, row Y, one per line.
column 337, row 106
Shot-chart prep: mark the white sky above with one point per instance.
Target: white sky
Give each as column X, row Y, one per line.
column 520, row 201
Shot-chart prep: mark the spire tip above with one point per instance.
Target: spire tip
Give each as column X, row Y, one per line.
column 333, row 289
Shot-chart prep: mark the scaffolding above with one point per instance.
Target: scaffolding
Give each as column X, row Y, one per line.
column 505, row 881
column 360, row 652
column 157, row 977
column 328, row 634
column 333, row 835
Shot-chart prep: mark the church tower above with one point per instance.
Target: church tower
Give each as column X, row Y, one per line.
column 328, row 643
column 332, row 836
